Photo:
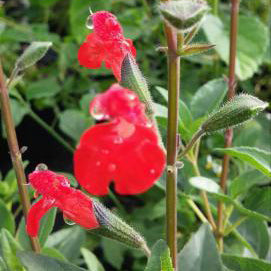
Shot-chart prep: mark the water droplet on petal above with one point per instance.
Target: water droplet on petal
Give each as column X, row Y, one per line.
column 89, row 22
column 131, row 96
column 41, row 167
column 98, row 163
column 118, row 140
column 105, row 151
column 152, row 171
column 149, row 124
column 97, row 113
column 68, row 221
column 112, row 167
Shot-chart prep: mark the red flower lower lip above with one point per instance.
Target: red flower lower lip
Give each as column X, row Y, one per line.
column 119, row 151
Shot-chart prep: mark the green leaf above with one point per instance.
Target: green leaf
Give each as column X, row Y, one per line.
column 18, row 111
column 91, row 260
column 68, row 242
column 73, row 123
column 166, row 263
column 43, row 88
column 9, row 247
column 251, row 46
column 257, row 158
column 52, row 252
column 32, row 54
column 46, row 227
column 258, row 200
column 205, row 184
column 237, row 263
column 7, row 220
column 245, row 181
column 200, row 253
column 208, row 97
column 255, row 231
column 36, row 262
column 239, row 206
column 113, row 252
column 158, row 252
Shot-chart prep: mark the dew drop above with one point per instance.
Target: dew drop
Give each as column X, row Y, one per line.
column 98, row 163
column 118, row 140
column 89, row 22
column 152, row 171
column 41, row 167
column 131, row 97
column 97, row 113
column 68, row 221
column 149, row 124
column 112, row 167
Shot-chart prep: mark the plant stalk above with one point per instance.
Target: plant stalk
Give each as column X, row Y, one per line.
column 172, row 140
column 15, row 153
column 229, row 132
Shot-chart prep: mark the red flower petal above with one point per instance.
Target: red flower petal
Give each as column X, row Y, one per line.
column 37, row 211
column 91, row 53
column 119, row 102
column 119, row 151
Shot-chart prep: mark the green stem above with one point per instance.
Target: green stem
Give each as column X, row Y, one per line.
column 172, row 141
column 116, row 201
column 229, row 133
column 215, row 7
column 234, row 225
column 15, row 153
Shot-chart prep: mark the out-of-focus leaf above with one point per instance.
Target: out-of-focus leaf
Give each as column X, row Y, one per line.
column 158, row 252
column 43, row 88
column 52, row 252
column 257, row 158
column 18, row 111
column 32, row 54
column 237, row 263
column 255, row 231
column 9, row 247
column 113, row 252
column 245, row 181
column 37, row 262
column 251, row 46
column 6, row 220
column 204, row 184
column 68, row 242
column 258, row 200
column 200, row 253
column 208, row 98
column 91, row 260
column 73, row 123
column 46, row 226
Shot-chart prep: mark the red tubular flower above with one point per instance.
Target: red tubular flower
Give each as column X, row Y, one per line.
column 106, row 43
column 56, row 192
column 124, row 150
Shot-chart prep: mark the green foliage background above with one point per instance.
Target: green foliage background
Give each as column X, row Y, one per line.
column 58, row 86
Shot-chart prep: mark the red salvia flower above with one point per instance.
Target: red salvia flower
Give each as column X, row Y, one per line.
column 56, row 192
column 124, row 150
column 106, row 43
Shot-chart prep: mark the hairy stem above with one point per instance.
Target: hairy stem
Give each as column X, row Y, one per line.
column 172, row 140
column 228, row 133
column 15, row 153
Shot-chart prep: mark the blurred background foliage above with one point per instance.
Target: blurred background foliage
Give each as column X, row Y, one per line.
column 50, row 105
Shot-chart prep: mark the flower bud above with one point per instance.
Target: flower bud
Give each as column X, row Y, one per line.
column 132, row 78
column 184, row 15
column 111, row 226
column 236, row 111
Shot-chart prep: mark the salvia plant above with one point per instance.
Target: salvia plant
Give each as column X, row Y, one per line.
column 188, row 193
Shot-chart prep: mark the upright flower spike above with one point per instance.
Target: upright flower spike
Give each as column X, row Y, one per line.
column 106, row 44
column 124, row 151
column 56, row 192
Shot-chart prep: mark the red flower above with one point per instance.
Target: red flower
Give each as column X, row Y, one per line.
column 124, row 150
column 56, row 192
column 106, row 43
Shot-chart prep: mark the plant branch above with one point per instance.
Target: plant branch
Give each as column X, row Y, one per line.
column 228, row 133
column 15, row 153
column 172, row 140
